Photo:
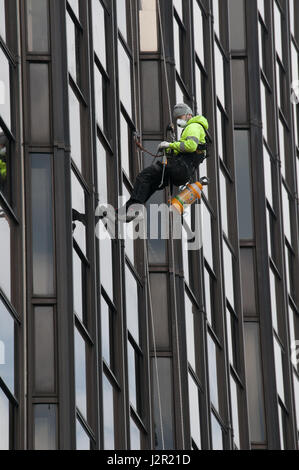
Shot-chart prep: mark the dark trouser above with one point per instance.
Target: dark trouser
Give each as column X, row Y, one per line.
column 177, row 172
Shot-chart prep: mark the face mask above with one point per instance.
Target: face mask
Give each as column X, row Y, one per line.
column 181, row 123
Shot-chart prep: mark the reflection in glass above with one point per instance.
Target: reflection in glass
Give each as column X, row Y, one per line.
column 254, row 382
column 79, row 210
column 150, row 92
column 282, row 148
column 190, row 339
column 261, row 8
column 244, row 192
column 273, row 300
column 177, row 46
column 75, row 128
column 105, row 329
column 286, row 214
column 99, row 104
column 7, row 328
column 77, row 285
column 135, row 436
column 99, row 42
column 5, row 265
column 106, row 262
column 277, row 28
column 207, row 281
column 72, row 48
column 235, row 411
column 148, row 26
column 207, row 234
column 132, row 305
column 2, row 20
column 199, row 90
column 128, row 232
column 279, row 370
column 268, row 176
column 42, row 224
column 5, row 112
column 45, row 434
column 37, row 25
column 124, row 65
column 102, row 173
column 164, row 366
column 75, row 6
column 124, row 136
column 228, row 274
column 132, row 375
column 264, row 95
column 217, row 439
column 44, row 354
column 248, row 281
column 198, row 33
column 39, row 102
column 239, row 87
column 194, row 412
column 82, row 439
column 219, row 66
column 122, row 17
column 80, row 369
column 4, row 422
column 158, row 283
column 213, row 381
column 216, row 17
column 108, row 408
column 223, row 192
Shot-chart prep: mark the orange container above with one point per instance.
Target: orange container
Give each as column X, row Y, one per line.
column 188, row 196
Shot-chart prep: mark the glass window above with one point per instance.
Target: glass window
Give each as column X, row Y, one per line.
column 179, row 7
column 190, row 338
column 99, row 36
column 223, row 192
column 185, row 255
column 75, row 6
column 4, row 165
column 159, row 298
column 261, row 8
column 282, row 148
column 79, row 210
column 279, row 369
column 122, row 17
column 4, row 422
column 219, row 75
column 239, row 86
column 37, row 25
column 177, row 46
column 42, row 224
column 277, row 27
column 128, row 232
column 80, row 370
column 248, row 281
column 99, row 97
column 7, row 330
column 124, row 65
column 82, row 439
column 124, row 143
column 150, row 96
column 244, row 191
column 207, row 235
column 134, row 436
column 198, row 32
column 163, row 369
column 194, row 411
column 220, row 140
column 199, row 89
column 286, row 214
column 75, row 128
column 106, row 331
column 45, row 427
column 237, row 30
column 72, row 48
column 39, row 102
column 264, row 95
column 108, row 410
column 213, row 381
column 78, row 286
column 148, row 26
column 217, row 439
column 208, row 298
column 44, row 352
column 132, row 305
column 5, row 243
column 106, row 261
column 102, row 173
column 268, row 176
column 273, row 300
column 296, row 394
column 254, row 379
column 228, row 274
column 235, row 411
column 2, row 20
column 5, row 110
column 132, row 375
column 216, row 17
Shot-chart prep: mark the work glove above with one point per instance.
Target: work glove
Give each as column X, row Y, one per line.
column 164, row 145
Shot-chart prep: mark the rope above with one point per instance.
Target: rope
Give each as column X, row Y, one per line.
column 147, row 261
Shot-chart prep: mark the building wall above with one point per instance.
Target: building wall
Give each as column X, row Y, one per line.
column 111, row 343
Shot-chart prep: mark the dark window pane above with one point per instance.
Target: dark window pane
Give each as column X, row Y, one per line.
column 254, row 382
column 164, row 372
column 7, row 356
column 42, row 224
column 248, row 281
column 239, row 91
column 237, row 24
column 45, row 432
column 44, row 356
column 150, row 96
column 244, row 192
column 160, row 310
column 4, row 165
column 37, row 25
column 39, row 102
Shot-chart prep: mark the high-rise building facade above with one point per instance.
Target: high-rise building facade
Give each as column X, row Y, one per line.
column 111, row 342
